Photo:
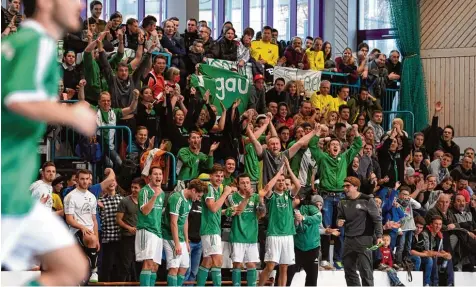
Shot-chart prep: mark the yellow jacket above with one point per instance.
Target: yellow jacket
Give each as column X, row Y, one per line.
column 336, row 104
column 316, row 59
column 320, row 102
column 268, row 52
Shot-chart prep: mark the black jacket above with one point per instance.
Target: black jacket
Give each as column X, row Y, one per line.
column 459, row 173
column 434, row 142
column 273, row 96
column 225, row 49
column 361, row 215
column 188, row 39
column 390, row 160
column 391, row 68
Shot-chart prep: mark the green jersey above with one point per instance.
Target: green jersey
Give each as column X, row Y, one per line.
column 228, row 180
column 180, row 206
column 252, row 163
column 189, row 163
column 307, row 232
column 30, row 73
column 152, row 221
column 281, row 215
column 244, row 227
column 211, row 221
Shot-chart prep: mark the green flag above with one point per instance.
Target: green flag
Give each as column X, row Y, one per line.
column 224, row 85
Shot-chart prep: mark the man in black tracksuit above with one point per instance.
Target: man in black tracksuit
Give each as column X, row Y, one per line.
column 359, row 215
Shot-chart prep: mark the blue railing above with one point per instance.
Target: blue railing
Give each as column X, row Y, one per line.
column 169, row 58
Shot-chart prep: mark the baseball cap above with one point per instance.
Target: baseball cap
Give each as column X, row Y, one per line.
column 258, row 77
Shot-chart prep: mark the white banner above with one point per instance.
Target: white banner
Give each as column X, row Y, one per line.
column 310, row 78
column 228, row 65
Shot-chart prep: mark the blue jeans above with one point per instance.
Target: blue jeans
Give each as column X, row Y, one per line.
column 330, row 219
column 404, row 245
column 195, row 255
column 427, row 267
column 436, row 270
column 393, row 277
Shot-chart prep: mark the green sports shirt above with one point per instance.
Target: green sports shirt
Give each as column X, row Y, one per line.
column 30, row 73
column 211, row 221
column 151, row 222
column 180, row 206
column 281, row 214
column 244, row 227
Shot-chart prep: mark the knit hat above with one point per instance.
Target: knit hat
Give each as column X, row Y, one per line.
column 58, row 180
column 352, row 180
column 316, row 198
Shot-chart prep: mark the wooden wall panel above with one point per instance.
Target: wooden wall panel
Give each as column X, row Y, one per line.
column 451, row 80
column 447, row 24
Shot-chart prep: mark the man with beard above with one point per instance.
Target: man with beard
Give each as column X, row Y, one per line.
column 80, row 210
column 11, row 17
column 306, row 114
column 148, row 243
column 333, row 170
column 363, row 103
column 42, row 189
column 205, row 34
column 359, row 215
column 376, row 124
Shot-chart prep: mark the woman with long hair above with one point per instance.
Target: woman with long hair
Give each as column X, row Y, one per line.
column 295, row 96
column 346, row 65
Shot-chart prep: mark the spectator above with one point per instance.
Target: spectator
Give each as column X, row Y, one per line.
column 428, row 197
column 440, row 251
column 344, row 114
column 376, row 124
column 194, row 223
column 346, row 65
column 362, row 103
column 322, row 100
column 229, row 172
column 173, row 45
column 418, row 140
column 462, row 185
column 295, row 55
column 329, row 63
column 224, row 27
column 115, row 22
column 208, row 43
column 464, row 170
column 386, row 262
column 437, row 138
column 377, row 80
column 305, row 114
column 442, row 210
column 421, row 254
column 139, row 145
column 295, row 92
column 190, row 34
column 392, row 160
column 309, row 42
column 11, row 17
column 95, row 7
column 126, row 218
column 155, row 79
column 417, row 163
column 132, row 34
column 195, row 56
column 226, row 48
column 110, row 235
column 277, row 93
column 394, row 68
column 342, row 97
column 439, row 167
column 315, row 55
column 190, row 160
column 148, row 114
column 244, row 47
column 362, row 69
column 71, row 73
column 257, row 95
column 263, row 51
column 283, row 117
column 447, row 186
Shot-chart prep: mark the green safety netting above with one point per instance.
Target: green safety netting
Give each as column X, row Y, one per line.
column 405, row 17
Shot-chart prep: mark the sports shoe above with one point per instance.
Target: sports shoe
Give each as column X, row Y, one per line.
column 93, row 278
column 338, row 265
column 324, row 263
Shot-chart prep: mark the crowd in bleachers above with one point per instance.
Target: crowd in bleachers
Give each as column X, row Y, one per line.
column 138, row 75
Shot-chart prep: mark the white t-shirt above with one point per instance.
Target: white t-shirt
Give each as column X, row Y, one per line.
column 40, row 189
column 82, row 205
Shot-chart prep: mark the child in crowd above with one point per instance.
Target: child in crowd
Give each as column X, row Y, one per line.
column 386, row 261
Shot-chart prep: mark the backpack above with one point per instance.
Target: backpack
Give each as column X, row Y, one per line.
column 89, row 149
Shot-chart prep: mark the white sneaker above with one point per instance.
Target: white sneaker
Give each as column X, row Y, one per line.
column 94, row 278
column 324, row 263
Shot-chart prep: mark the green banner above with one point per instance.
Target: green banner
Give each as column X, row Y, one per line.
column 224, row 85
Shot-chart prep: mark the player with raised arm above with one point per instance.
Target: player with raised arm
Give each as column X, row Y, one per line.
column 246, row 207
column 30, row 77
column 148, row 243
